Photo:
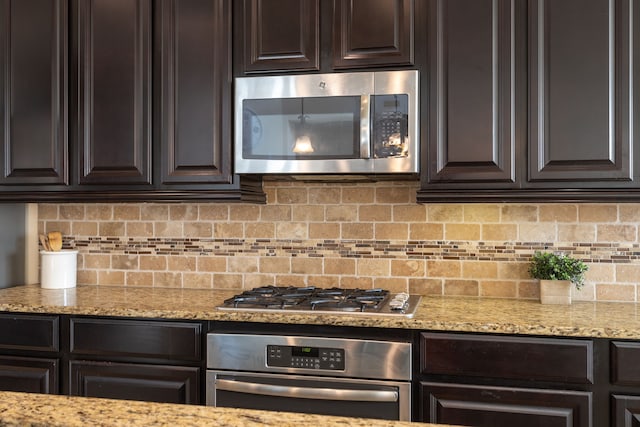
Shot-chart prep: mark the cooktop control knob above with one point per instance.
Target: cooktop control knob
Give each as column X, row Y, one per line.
column 399, row 301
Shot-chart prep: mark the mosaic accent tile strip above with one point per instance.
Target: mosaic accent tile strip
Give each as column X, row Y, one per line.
column 437, row 250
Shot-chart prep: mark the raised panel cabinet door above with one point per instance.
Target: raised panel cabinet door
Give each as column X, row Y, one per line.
column 112, row 95
column 149, row 383
column 33, row 91
column 195, row 100
column 581, row 126
column 485, row 406
column 281, row 35
column 29, row 374
column 626, row 411
column 373, row 33
column 473, row 99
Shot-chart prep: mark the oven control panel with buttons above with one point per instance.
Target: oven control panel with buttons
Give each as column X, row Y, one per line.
column 305, row 357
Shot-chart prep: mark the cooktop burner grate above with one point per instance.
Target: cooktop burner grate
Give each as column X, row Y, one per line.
column 313, row 299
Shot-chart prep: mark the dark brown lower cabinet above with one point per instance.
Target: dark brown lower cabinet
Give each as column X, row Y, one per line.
column 490, row 406
column 151, row 383
column 29, row 374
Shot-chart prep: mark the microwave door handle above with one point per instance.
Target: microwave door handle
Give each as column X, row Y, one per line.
column 307, row 393
column 365, row 126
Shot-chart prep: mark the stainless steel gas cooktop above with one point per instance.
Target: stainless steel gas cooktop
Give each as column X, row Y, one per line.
column 323, row 300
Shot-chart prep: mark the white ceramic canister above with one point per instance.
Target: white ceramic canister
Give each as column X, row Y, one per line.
column 58, row 269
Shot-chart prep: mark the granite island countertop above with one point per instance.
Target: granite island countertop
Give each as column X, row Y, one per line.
column 484, row 315
column 29, row 409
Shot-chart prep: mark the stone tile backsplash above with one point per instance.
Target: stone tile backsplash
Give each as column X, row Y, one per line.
column 365, row 234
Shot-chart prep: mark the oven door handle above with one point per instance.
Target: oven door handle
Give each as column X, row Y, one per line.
column 306, row 392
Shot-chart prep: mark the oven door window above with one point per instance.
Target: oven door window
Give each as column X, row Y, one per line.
column 301, row 128
column 351, row 398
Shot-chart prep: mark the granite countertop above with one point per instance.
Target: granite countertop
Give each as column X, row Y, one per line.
column 28, row 409
column 509, row 316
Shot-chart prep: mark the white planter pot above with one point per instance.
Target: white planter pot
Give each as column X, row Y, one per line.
column 555, row 291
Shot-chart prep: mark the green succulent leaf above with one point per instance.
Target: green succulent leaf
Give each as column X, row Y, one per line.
column 557, row 266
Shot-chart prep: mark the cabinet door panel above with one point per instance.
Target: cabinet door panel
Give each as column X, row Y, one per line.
column 33, row 86
column 472, row 96
column 29, row 332
column 372, row 32
column 484, row 406
column 196, row 83
column 580, row 82
column 626, row 411
column 28, row 374
column 272, row 45
column 151, row 383
column 112, row 56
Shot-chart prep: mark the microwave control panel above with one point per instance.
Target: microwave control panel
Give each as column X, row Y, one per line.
column 284, row 356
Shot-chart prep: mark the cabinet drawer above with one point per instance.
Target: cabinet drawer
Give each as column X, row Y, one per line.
column 504, row 406
column 625, row 369
column 150, row 383
column 136, row 338
column 25, row 332
column 29, row 374
column 535, row 359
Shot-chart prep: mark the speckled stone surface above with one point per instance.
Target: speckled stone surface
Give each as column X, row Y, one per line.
column 581, row 319
column 25, row 409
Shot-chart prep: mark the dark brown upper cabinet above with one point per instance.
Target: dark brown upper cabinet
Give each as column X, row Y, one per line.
column 472, row 100
column 281, row 35
column 33, row 91
column 530, row 100
column 581, row 124
column 372, row 33
column 112, row 65
column 324, row 35
column 195, row 91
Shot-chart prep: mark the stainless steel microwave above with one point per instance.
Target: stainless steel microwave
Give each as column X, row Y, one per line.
column 339, row 123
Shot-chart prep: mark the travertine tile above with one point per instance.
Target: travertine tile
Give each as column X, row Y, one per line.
column 138, row 278
column 139, row 229
column 459, row 287
column 292, row 230
column 357, row 231
column 87, row 277
column 98, row 212
column 62, row 226
column 341, row 213
column 529, row 290
column 577, row 232
column 154, row 212
column 260, row 230
column 322, row 281
column 168, row 229
column 228, row 230
column 481, row 213
column 306, row 265
column 629, row 212
column 519, row 213
column 356, row 282
column 617, row 233
column 513, row 270
column 395, row 195
column 627, row 273
column 374, row 213
column 425, row 286
column 615, row 292
column 373, row 267
column 126, row 212
column 289, row 196
column 72, row 212
column 479, row 270
column 198, row 229
column 323, row 230
column 242, row 264
column 340, row 266
column 227, row 281
column 393, row 284
column 167, row 279
column 498, row 289
column 391, row 231
column 153, row 262
column 111, row 277
column 537, row 232
column 445, row 213
column 408, row 268
column 462, row 231
column 183, row 212
column 181, row 263
column 124, row 262
column 84, row 228
column 111, row 228
column 324, row 195
column 410, row 213
column 558, row 212
column 213, row 212
column 47, row 212
column 197, row 280
column 97, row 261
column 358, row 195
column 600, row 213
column 444, row 268
column 428, row 231
column 307, row 213
column 275, row 213
column 215, row 264
column 275, row 265
column 244, row 212
column 499, row 232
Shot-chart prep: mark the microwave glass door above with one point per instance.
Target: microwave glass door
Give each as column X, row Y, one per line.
column 302, row 128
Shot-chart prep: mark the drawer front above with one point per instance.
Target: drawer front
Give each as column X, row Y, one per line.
column 27, row 332
column 471, row 405
column 626, row 411
column 150, row 383
column 625, row 366
column 29, row 374
column 534, row 359
column 136, row 338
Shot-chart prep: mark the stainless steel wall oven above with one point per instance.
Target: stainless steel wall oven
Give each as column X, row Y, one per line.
column 331, row 376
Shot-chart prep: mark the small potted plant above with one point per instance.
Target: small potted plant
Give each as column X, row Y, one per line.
column 557, row 272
